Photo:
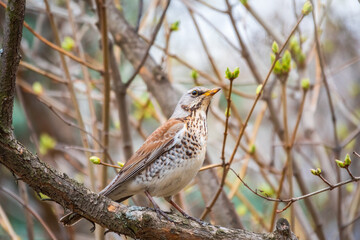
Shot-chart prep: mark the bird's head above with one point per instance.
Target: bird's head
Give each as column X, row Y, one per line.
column 197, row 98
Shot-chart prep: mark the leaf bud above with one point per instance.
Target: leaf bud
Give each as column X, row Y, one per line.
column 95, row 159
column 275, row 47
column 307, row 8
column 305, row 84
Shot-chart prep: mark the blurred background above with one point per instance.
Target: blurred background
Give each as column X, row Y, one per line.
column 196, row 42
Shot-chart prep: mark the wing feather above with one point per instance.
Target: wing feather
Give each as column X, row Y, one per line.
column 160, row 141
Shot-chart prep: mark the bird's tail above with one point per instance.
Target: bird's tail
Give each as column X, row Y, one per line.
column 70, row 219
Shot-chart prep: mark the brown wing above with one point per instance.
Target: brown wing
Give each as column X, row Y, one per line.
column 160, row 141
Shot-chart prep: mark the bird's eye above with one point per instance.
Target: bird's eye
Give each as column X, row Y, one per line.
column 194, row 93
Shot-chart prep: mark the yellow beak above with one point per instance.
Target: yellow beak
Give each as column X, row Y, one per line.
column 212, row 92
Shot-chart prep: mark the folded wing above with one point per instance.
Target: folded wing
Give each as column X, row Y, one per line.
column 160, row 141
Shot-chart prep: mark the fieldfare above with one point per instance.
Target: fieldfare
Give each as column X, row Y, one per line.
column 169, row 158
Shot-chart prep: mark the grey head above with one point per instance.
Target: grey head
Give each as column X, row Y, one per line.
column 195, row 99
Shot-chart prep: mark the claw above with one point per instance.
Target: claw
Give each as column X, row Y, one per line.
column 160, row 213
column 199, row 221
column 183, row 212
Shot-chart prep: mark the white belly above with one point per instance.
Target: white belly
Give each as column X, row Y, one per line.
column 176, row 178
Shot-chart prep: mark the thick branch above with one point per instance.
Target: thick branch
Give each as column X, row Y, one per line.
column 9, row 60
column 137, row 222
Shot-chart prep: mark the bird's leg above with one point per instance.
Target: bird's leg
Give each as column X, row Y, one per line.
column 169, row 199
column 159, row 212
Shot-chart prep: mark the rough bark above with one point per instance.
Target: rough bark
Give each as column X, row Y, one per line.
column 9, row 59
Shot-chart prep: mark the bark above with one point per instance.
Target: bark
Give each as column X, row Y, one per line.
column 9, row 59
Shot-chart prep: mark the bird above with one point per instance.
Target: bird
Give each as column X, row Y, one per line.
column 168, row 159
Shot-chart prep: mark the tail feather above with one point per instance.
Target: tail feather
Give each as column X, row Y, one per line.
column 70, row 219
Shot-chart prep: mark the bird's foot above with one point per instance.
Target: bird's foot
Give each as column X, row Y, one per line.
column 160, row 213
column 199, row 221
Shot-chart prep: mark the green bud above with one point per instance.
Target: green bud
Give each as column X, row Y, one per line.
column 117, row 124
column 46, row 143
column 305, row 84
column 95, row 159
column 120, row 164
column 275, row 47
column 286, row 62
column 241, row 210
column 194, row 74
column 252, row 149
column 286, row 59
column 285, row 68
column 303, row 39
column 307, row 8
column 313, row 171
column 340, row 163
column 236, row 72
column 259, row 89
column 37, row 88
column 244, row 2
column 301, row 58
column 227, row 112
column 175, row 26
column 293, row 44
column 347, row 160
column 272, row 58
column 318, row 171
column 228, row 74
column 68, row 43
column 349, row 187
column 278, row 67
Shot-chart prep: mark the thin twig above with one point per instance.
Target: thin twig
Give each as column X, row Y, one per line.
column 86, row 75
column 29, row 209
column 295, row 199
column 206, row 49
column 43, row 72
column 101, row 9
column 337, row 148
column 210, row 166
column 293, row 136
column 55, row 47
column 326, row 181
column 120, row 92
column 71, row 89
column 210, row 6
column 140, row 9
column 242, row 130
column 267, row 28
column 67, row 122
column 142, row 62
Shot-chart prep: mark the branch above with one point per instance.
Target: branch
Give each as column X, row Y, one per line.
column 290, row 201
column 142, row 62
column 9, row 60
column 134, row 49
column 136, row 222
